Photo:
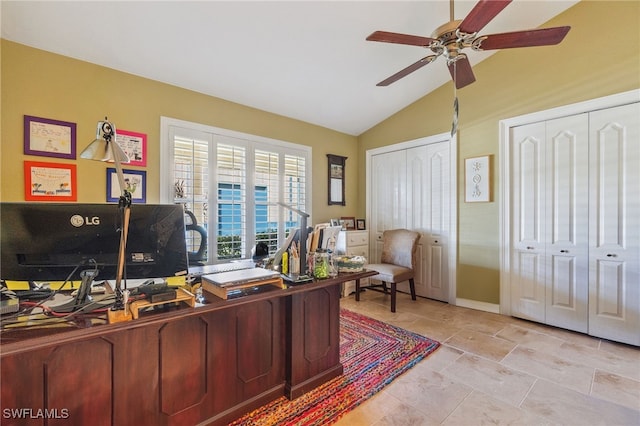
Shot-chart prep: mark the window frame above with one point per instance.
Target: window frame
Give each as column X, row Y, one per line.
column 171, row 126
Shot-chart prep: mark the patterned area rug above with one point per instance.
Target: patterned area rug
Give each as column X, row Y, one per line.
column 373, row 354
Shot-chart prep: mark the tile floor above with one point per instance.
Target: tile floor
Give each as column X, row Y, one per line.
column 497, row 370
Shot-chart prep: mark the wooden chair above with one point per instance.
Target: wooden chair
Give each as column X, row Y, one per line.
column 397, row 263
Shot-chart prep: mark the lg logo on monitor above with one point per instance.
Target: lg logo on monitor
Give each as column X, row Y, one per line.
column 78, row 221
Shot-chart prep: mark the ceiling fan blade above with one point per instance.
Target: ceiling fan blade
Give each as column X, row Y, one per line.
column 461, row 72
column 408, row 70
column 388, row 37
column 481, row 14
column 527, row 38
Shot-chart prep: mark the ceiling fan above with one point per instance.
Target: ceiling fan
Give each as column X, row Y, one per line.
column 451, row 38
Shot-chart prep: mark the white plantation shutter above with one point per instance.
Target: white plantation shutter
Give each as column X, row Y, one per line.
column 267, row 194
column 231, row 178
column 295, row 183
column 232, row 182
column 191, row 181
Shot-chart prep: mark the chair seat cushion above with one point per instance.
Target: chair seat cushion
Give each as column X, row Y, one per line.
column 390, row 273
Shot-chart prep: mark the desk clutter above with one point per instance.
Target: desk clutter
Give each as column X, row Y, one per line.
column 169, row 296
column 73, row 279
column 31, row 302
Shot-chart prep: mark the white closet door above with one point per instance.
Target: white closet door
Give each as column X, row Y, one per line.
column 388, row 197
column 411, row 188
column 428, row 206
column 527, row 217
column 566, row 222
column 614, row 231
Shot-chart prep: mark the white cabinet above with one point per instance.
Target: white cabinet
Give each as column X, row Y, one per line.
column 575, row 243
column 353, row 243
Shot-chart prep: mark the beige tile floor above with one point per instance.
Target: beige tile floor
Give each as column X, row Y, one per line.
column 497, row 370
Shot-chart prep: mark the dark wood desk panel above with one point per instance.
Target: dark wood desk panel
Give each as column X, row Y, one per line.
column 316, row 360
column 211, row 363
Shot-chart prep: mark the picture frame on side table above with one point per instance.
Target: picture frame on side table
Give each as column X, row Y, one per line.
column 477, row 179
column 49, row 138
column 360, row 225
column 50, row 181
column 348, row 223
column 136, row 180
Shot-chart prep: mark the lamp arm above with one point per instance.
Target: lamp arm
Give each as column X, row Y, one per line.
column 124, row 206
column 293, row 209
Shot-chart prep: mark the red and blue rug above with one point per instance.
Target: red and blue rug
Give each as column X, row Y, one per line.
column 373, row 354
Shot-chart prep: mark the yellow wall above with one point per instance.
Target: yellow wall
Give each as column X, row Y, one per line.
column 43, row 84
column 600, row 56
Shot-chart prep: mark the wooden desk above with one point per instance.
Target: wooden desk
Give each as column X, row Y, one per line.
column 212, row 363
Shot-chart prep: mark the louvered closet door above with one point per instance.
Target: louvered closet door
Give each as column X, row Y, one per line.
column 614, row 231
column 428, row 205
column 411, row 188
column 388, row 197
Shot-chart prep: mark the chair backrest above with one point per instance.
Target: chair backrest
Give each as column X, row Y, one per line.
column 400, row 247
column 195, row 257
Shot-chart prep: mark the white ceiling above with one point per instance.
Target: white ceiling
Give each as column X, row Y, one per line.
column 307, row 60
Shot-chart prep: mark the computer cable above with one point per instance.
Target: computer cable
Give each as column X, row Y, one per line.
column 27, row 307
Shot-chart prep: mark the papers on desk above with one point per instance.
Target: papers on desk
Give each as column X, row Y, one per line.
column 242, row 276
column 224, row 283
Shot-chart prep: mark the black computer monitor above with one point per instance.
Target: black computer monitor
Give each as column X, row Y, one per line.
column 46, row 241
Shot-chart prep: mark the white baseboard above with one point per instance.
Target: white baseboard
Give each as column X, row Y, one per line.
column 480, row 306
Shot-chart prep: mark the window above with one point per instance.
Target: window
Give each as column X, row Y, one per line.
column 234, row 184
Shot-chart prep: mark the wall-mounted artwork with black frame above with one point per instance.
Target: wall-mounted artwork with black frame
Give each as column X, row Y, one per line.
column 336, row 179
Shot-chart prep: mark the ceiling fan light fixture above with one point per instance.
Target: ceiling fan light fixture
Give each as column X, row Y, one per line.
column 454, row 56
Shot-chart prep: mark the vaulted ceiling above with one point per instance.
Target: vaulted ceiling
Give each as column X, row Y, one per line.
column 307, row 60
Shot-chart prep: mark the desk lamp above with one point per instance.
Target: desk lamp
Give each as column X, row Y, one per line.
column 105, row 148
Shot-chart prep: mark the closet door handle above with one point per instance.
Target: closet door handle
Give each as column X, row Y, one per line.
column 612, row 255
column 564, row 251
column 530, row 248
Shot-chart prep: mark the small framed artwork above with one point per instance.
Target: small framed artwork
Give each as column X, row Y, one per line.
column 50, row 181
column 134, row 145
column 360, row 225
column 49, row 138
column 348, row 223
column 477, row 179
column 135, row 180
